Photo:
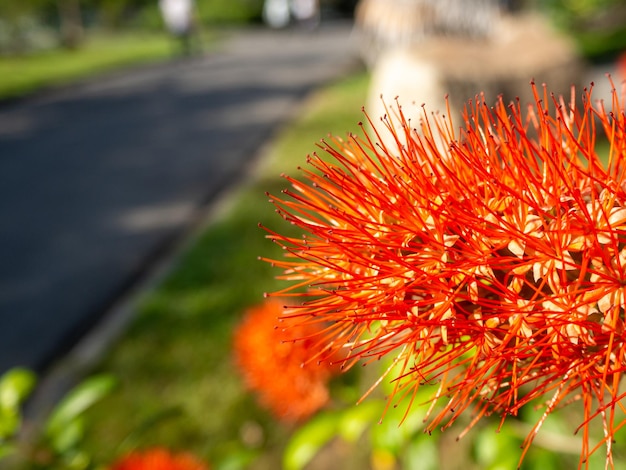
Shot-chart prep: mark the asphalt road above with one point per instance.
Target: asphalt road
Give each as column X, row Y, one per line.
column 97, row 180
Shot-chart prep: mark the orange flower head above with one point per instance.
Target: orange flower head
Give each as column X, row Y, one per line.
column 275, row 358
column 489, row 262
column 158, row 459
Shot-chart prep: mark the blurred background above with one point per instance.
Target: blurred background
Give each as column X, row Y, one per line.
column 138, row 140
column 28, row 26
column 32, row 25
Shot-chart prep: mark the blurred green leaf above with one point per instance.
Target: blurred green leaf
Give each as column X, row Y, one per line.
column 400, row 425
column 77, row 401
column 422, row 453
column 309, row 439
column 497, row 450
column 15, row 386
column 544, row 459
column 9, row 422
column 237, row 460
column 77, row 461
column 357, row 418
column 388, row 435
column 66, row 438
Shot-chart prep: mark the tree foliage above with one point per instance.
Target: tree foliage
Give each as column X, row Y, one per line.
column 598, row 26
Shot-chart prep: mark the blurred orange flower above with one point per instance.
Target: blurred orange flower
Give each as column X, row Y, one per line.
column 158, row 459
column 489, row 262
column 277, row 359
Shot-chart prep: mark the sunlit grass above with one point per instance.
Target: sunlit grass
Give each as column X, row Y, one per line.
column 21, row 75
column 178, row 387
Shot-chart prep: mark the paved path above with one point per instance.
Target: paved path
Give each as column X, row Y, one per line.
column 97, row 179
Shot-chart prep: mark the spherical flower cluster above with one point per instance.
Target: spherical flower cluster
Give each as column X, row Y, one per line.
column 158, row 459
column 277, row 362
column 489, row 262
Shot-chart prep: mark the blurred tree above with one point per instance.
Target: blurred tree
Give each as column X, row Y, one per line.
column 12, row 15
column 229, row 11
column 599, row 26
column 70, row 23
column 114, row 13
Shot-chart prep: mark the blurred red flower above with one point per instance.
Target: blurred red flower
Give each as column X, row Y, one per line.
column 158, row 459
column 276, row 357
column 490, row 262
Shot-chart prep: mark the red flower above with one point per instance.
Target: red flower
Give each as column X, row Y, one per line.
column 491, row 262
column 275, row 357
column 158, row 459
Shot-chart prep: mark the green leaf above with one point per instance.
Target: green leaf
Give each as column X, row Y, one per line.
column 309, row 439
column 388, row 435
column 549, row 460
column 10, row 421
column 422, row 453
column 76, row 460
column 496, row 450
column 65, row 439
column 237, row 460
column 357, row 418
column 15, row 386
column 399, row 425
column 78, row 400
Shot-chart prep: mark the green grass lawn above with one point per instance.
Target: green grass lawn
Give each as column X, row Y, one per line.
column 25, row 74
column 178, row 388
